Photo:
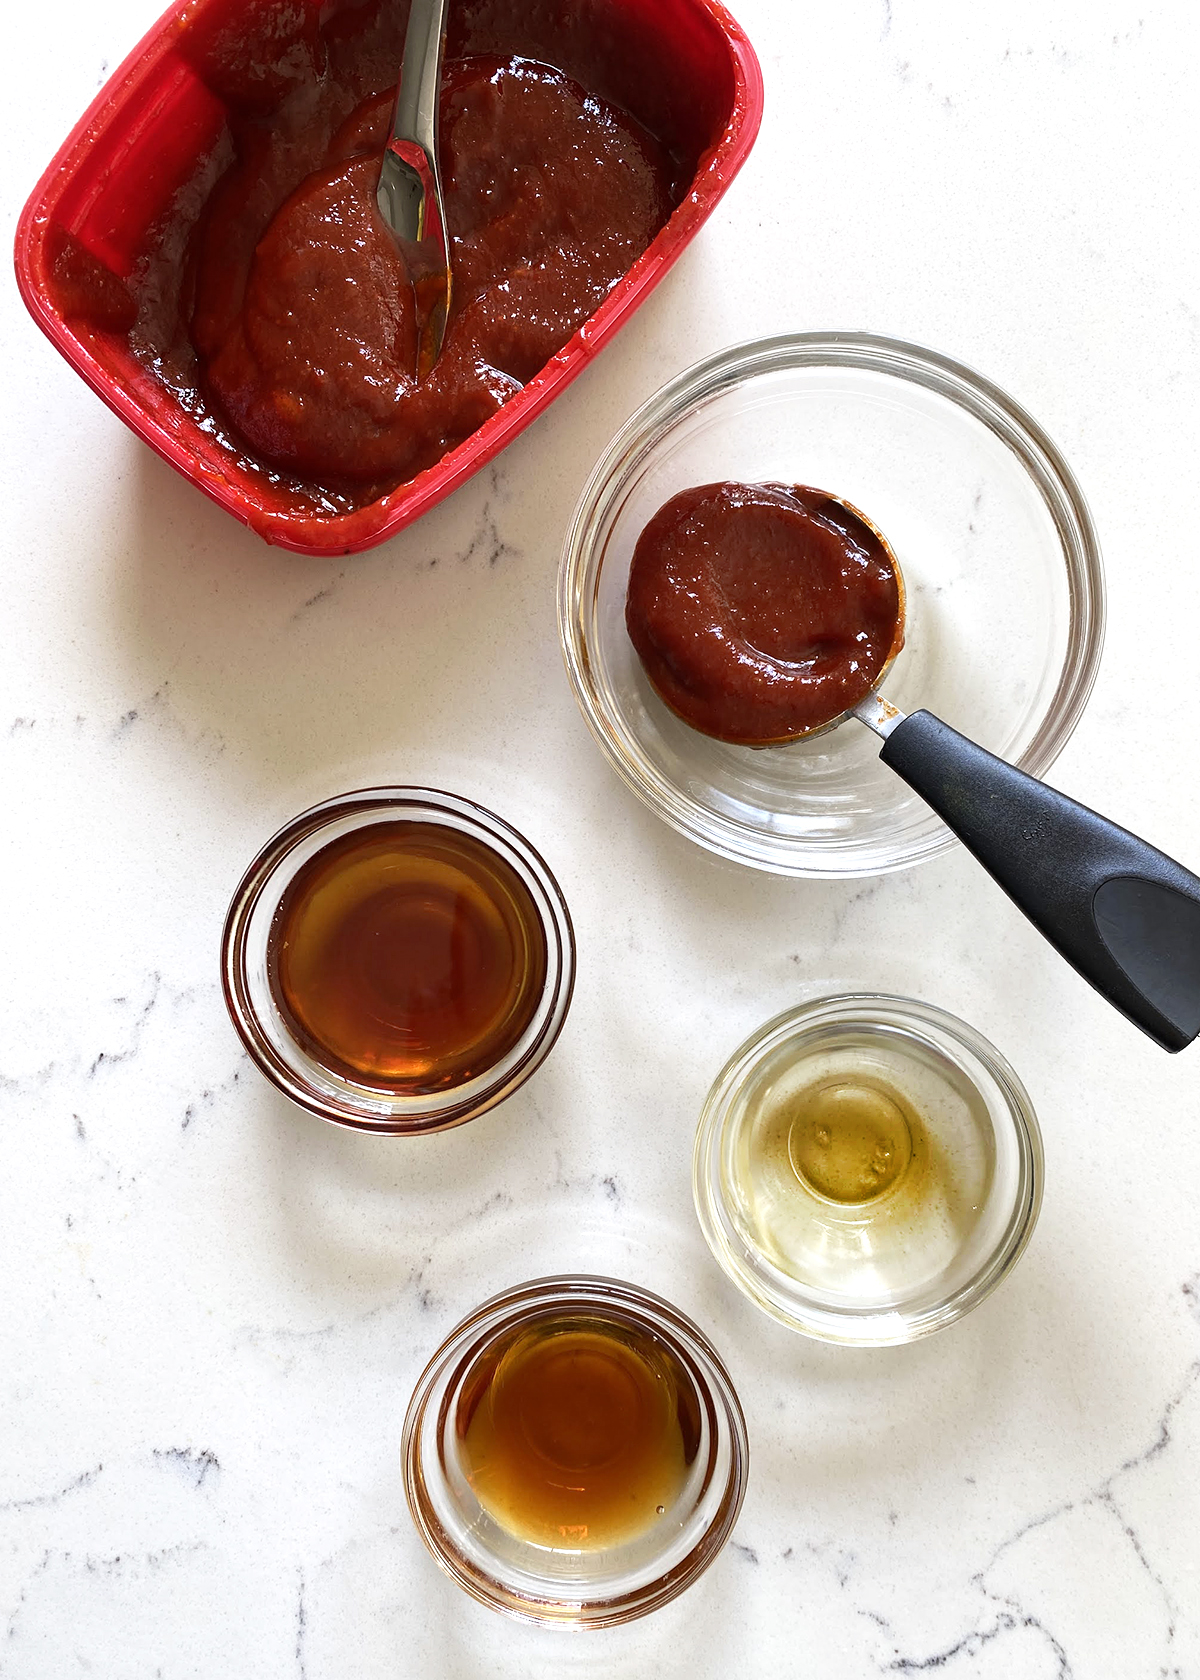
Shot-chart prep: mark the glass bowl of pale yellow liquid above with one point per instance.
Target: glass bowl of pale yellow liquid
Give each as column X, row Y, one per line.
column 867, row 1169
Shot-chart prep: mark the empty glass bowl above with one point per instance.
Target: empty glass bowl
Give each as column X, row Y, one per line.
column 867, row 1169
column 565, row 1583
column 1002, row 571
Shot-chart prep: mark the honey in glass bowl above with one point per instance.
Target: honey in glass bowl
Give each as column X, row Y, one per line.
column 574, row 1453
column 398, row 959
column 408, row 955
column 578, row 1432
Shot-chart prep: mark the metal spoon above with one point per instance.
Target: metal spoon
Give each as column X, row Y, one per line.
column 1122, row 913
column 409, row 194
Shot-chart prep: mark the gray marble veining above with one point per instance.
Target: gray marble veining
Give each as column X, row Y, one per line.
column 214, row 1308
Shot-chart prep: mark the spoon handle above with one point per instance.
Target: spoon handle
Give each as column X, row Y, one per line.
column 1123, row 914
column 409, row 191
column 416, row 112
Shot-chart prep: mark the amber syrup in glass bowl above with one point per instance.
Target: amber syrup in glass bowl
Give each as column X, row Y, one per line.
column 398, row 959
column 578, row 1432
column 408, row 955
column 574, row 1453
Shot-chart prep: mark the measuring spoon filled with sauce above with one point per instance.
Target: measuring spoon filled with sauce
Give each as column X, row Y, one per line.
column 767, row 613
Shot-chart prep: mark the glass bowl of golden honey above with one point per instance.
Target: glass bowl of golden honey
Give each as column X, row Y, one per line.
column 398, row 959
column 867, row 1169
column 575, row 1454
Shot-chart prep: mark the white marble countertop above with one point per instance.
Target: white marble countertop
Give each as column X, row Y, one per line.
column 215, row 1307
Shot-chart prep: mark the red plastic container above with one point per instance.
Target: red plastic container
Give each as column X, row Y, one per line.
column 682, row 67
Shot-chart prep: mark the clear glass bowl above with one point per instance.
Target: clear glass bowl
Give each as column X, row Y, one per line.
column 1000, row 561
column 896, row 1266
column 561, row 1586
column 265, row 1032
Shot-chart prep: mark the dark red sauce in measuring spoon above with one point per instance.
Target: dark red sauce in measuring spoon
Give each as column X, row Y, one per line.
column 762, row 612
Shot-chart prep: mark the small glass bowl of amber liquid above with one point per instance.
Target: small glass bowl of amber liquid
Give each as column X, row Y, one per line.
column 867, row 1169
column 575, row 1454
column 398, row 959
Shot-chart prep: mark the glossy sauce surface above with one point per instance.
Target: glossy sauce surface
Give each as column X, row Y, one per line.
column 761, row 612
column 303, row 318
column 408, row 956
column 577, row 1433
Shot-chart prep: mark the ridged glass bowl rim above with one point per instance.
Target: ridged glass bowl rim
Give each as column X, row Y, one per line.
column 466, row 1340
column 374, row 803
column 579, row 572
column 865, row 1326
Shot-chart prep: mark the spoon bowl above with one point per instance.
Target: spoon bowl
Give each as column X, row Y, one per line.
column 871, row 534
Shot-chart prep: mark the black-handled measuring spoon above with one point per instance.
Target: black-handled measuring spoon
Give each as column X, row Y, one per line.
column 1122, row 913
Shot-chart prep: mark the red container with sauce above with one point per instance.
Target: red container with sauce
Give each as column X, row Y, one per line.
column 683, row 68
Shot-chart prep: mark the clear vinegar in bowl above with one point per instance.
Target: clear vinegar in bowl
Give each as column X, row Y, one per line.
column 861, row 1172
column 867, row 1168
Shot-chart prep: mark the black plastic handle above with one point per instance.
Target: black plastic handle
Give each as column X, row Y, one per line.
column 1122, row 913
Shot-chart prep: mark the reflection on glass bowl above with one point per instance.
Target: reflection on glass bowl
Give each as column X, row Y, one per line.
column 867, row 1169
column 464, row 1508
column 1005, row 598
